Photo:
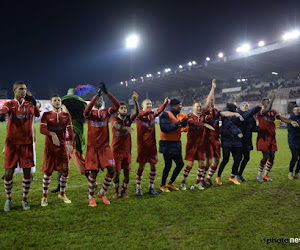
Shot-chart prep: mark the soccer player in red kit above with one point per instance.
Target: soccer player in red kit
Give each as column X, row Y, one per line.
column 195, row 146
column 212, row 141
column 19, row 140
column 266, row 138
column 146, row 143
column 56, row 125
column 121, row 144
column 99, row 154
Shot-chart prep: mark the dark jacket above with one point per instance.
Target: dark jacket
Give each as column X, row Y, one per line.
column 231, row 127
column 248, row 127
column 169, row 147
column 294, row 133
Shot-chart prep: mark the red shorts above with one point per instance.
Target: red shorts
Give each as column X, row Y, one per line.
column 55, row 159
column 99, row 158
column 122, row 160
column 147, row 153
column 195, row 152
column 213, row 149
column 266, row 144
column 14, row 153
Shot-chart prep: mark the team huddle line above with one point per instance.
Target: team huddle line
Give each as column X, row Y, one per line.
column 63, row 129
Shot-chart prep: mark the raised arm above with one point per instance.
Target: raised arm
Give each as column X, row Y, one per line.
column 210, row 95
column 268, row 108
column 135, row 98
column 163, row 106
column 89, row 107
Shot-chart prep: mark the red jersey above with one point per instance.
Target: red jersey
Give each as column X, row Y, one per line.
column 20, row 118
column 121, row 139
column 196, row 129
column 98, row 119
column 145, row 123
column 59, row 123
column 266, row 123
column 212, row 118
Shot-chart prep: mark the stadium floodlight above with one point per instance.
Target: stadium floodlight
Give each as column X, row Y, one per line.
column 180, row 66
column 244, row 48
column 274, row 73
column 142, row 77
column 121, row 83
column 190, row 63
column 244, row 80
column 261, row 43
column 194, row 62
column 207, row 59
column 158, row 73
column 132, row 41
column 238, row 80
column 220, row 55
column 291, row 35
column 149, row 75
column 133, row 79
column 167, row 70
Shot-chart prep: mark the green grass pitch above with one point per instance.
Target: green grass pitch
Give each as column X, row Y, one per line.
column 226, row 217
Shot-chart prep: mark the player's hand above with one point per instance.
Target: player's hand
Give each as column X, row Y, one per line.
column 134, row 96
column 209, row 126
column 129, row 129
column 273, row 94
column 55, row 139
column 183, row 123
column 103, row 88
column 155, row 110
column 214, row 83
column 239, row 116
column 167, row 100
column 240, row 135
column 295, row 124
column 31, row 99
column 70, row 149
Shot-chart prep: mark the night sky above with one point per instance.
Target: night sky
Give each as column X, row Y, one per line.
column 55, row 45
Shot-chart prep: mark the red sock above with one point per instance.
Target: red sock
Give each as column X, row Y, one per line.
column 8, row 185
column 186, row 172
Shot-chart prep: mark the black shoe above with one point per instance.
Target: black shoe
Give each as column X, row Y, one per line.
column 242, row 178
column 57, row 189
column 209, row 183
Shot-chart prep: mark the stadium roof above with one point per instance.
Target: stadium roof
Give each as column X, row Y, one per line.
column 282, row 58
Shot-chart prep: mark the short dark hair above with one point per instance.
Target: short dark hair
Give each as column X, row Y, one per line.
column 56, row 95
column 17, row 83
column 123, row 104
column 296, row 106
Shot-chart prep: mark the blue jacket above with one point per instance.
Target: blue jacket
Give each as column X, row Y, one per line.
column 294, row 133
column 231, row 127
column 248, row 126
column 169, row 147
